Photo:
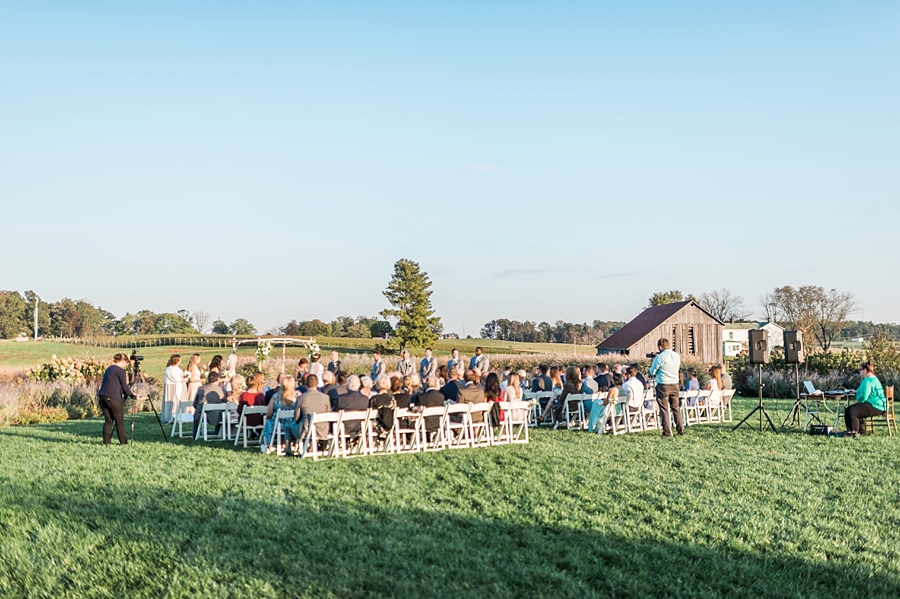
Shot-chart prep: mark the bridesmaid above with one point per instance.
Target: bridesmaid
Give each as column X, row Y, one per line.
column 195, row 380
column 173, row 390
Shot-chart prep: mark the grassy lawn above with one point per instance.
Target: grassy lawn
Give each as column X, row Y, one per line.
column 570, row 515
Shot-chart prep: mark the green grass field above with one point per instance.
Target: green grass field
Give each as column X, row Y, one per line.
column 713, row 514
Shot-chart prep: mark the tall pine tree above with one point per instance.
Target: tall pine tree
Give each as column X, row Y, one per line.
column 409, row 292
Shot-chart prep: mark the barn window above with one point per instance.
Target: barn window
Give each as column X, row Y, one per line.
column 690, row 342
column 673, row 339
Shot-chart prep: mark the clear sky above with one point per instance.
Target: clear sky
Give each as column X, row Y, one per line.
column 541, row 161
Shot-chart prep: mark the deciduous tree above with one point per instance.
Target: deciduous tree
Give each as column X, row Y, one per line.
column 723, row 305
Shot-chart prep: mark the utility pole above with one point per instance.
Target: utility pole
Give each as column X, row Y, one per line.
column 36, row 302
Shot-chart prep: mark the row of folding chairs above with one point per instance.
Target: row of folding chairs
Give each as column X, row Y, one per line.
column 697, row 407
column 457, row 426
column 232, row 426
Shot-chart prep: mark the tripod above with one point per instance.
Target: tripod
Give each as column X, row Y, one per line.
column 799, row 406
column 138, row 377
column 759, row 408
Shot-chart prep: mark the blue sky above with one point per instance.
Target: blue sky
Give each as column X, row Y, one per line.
column 540, row 160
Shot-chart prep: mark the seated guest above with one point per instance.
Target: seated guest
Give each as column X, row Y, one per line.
column 603, row 378
column 401, row 397
column 599, row 407
column 715, row 380
column 384, row 402
column 211, row 392
column 271, row 392
column 523, row 380
column 341, row 380
column 589, row 385
column 618, row 378
column 870, row 401
column 493, row 393
column 634, row 390
column 693, row 383
column 215, row 365
column 727, row 383
column 365, row 385
column 471, row 392
column 353, row 401
column 451, row 389
column 329, row 388
column 639, row 376
column 253, row 396
column 412, row 384
column 283, row 399
column 541, row 382
column 513, row 391
column 556, row 379
column 571, row 387
column 442, row 375
column 431, row 398
column 311, row 402
column 238, row 386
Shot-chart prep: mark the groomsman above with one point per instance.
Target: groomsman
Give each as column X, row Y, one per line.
column 378, row 368
column 405, row 366
column 335, row 364
column 428, row 366
column 479, row 362
column 456, row 363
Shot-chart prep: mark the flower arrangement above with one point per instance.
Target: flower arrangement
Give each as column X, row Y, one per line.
column 263, row 349
column 69, row 370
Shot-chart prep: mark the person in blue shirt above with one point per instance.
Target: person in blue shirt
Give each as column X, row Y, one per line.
column 870, row 401
column 665, row 368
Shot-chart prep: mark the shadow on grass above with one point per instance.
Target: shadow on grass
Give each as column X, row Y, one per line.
column 147, row 541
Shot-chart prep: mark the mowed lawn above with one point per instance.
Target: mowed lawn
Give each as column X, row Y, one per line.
column 572, row 514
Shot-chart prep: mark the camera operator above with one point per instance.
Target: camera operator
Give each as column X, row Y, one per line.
column 665, row 367
column 113, row 391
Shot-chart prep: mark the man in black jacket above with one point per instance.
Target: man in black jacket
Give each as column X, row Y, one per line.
column 431, row 398
column 353, row 401
column 113, row 391
column 543, row 382
column 451, row 389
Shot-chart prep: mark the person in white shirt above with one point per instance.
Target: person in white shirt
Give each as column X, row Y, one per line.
column 174, row 389
column 633, row 389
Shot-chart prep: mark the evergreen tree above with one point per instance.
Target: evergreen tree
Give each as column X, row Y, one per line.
column 409, row 292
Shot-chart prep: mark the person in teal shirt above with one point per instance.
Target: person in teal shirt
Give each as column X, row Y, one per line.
column 870, row 401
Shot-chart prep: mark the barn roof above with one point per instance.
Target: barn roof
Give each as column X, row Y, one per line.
column 645, row 323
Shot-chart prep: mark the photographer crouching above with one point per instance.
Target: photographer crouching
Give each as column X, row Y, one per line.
column 665, row 367
column 113, row 391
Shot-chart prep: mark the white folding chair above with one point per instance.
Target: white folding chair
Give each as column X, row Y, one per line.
column 689, row 408
column 703, row 407
column 184, row 413
column 404, row 436
column 278, row 432
column 344, row 440
column 457, row 433
column 368, row 445
column 573, row 410
column 617, row 417
column 714, row 406
column 310, row 443
column 438, row 439
column 534, row 409
column 727, row 396
column 650, row 415
column 481, row 434
column 515, row 421
column 243, row 427
column 203, row 428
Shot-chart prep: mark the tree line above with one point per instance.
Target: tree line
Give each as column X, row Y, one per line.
column 81, row 318
column 505, row 329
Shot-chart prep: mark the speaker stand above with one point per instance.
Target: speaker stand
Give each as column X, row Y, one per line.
column 760, row 409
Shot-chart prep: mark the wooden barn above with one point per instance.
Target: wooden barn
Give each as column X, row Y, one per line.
column 690, row 329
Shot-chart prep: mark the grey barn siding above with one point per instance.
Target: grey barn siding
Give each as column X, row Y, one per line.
column 692, row 332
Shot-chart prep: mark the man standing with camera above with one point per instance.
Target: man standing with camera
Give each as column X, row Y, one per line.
column 113, row 391
column 665, row 367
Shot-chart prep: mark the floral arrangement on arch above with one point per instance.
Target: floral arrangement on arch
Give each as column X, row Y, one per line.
column 263, row 349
